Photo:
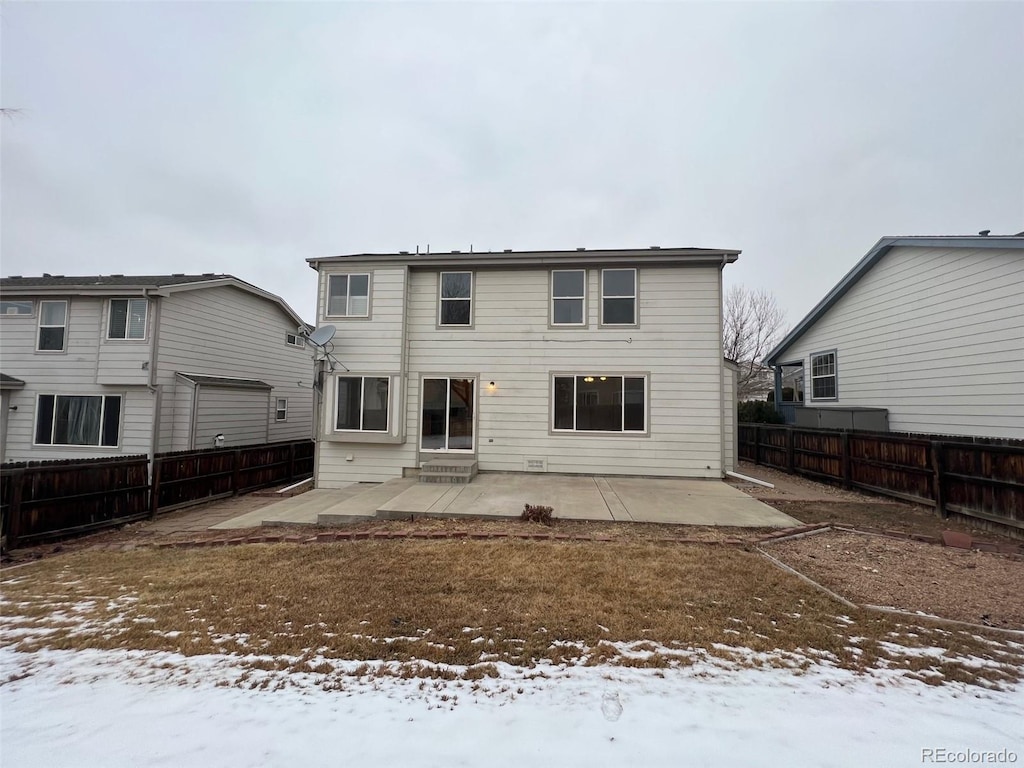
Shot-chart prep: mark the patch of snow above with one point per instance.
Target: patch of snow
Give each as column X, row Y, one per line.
column 171, row 710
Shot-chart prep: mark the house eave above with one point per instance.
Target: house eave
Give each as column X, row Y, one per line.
column 872, row 257
column 692, row 256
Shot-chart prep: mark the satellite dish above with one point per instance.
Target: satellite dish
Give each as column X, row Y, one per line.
column 322, row 335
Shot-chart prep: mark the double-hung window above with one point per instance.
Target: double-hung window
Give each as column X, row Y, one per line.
column 281, row 412
column 568, row 297
column 363, row 404
column 618, row 297
column 599, row 403
column 823, row 376
column 127, row 319
column 53, row 326
column 78, row 420
column 348, row 295
column 456, row 298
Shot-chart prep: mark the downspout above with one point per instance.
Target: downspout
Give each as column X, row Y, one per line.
column 192, row 426
column 721, row 373
column 151, row 385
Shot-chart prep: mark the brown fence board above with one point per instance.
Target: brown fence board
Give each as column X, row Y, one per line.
column 976, row 476
column 43, row 500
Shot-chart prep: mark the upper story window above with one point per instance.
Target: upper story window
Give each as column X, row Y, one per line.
column 127, row 319
column 53, row 326
column 568, row 297
column 16, row 307
column 294, row 340
column 281, row 411
column 618, row 297
column 823, row 376
column 78, row 420
column 456, row 298
column 348, row 295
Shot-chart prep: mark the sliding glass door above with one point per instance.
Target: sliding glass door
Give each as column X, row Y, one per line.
column 447, row 414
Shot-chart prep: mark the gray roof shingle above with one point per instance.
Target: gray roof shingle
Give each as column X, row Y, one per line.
column 98, row 281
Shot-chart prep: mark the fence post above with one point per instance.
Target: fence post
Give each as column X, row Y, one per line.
column 14, row 510
column 291, row 462
column 236, row 474
column 154, row 488
column 937, row 489
column 757, row 444
column 789, row 450
column 846, row 460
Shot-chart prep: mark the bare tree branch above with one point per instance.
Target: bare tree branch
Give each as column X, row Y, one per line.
column 752, row 326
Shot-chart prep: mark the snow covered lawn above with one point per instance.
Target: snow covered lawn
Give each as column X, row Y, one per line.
column 110, row 709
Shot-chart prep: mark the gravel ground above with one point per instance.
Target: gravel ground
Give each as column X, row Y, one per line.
column 956, row 584
column 794, row 487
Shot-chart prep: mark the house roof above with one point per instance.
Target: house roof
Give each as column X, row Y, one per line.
column 875, row 255
column 114, row 284
column 224, row 381
column 9, row 382
column 654, row 254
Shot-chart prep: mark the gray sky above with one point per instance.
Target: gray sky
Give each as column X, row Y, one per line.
column 245, row 138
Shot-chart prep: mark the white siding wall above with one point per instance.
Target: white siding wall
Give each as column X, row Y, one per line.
column 677, row 345
column 730, row 435
column 239, row 414
column 120, row 361
column 367, row 346
column 73, row 372
column 228, row 332
column 934, row 335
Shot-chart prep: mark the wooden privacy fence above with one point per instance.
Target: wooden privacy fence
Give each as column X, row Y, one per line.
column 978, row 477
column 50, row 499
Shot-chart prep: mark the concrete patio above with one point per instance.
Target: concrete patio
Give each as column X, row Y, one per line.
column 502, row 496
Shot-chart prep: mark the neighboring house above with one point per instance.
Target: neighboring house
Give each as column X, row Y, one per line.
column 594, row 362
column 929, row 328
column 116, row 365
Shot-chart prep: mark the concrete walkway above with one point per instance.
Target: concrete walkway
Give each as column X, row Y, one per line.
column 502, row 496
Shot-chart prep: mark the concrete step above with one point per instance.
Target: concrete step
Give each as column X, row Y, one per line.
column 363, row 506
column 448, row 471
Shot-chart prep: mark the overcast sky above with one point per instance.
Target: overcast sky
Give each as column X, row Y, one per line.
column 245, row 138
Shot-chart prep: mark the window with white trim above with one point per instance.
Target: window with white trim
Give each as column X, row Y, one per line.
column 568, row 297
column 294, row 340
column 599, row 403
column 127, row 319
column 53, row 326
column 78, row 420
column 348, row 295
column 618, row 297
column 824, row 385
column 456, row 298
column 281, row 411
column 16, row 307
column 363, row 404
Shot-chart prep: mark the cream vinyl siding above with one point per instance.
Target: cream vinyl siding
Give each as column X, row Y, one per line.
column 120, row 361
column 225, row 331
column 238, row 414
column 936, row 335
column 676, row 345
column 367, row 347
column 72, row 372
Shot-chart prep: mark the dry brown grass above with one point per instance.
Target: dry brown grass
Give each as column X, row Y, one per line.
column 463, row 603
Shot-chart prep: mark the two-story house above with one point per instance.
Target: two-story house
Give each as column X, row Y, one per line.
column 117, row 365
column 584, row 361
